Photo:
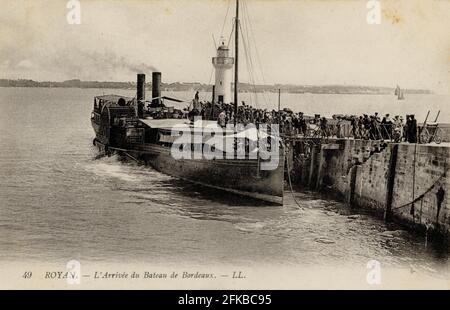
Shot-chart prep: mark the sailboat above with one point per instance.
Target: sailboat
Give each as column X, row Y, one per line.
column 399, row 93
column 127, row 127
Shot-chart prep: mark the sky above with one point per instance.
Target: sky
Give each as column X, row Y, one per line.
column 318, row 42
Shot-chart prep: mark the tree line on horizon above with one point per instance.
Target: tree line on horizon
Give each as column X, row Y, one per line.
column 195, row 86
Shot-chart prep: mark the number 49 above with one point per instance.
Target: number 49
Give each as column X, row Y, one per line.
column 27, row 275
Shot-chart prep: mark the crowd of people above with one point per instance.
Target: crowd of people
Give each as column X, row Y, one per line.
column 290, row 122
column 374, row 128
column 369, row 127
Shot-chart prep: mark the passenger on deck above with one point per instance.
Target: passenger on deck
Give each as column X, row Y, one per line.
column 196, row 97
column 196, row 106
column 222, row 119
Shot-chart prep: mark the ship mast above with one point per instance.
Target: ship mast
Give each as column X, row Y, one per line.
column 236, row 63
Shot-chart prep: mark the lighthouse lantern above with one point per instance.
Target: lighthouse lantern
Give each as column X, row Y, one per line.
column 223, row 64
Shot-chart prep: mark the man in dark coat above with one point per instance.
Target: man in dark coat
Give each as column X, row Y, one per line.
column 406, row 129
column 412, row 130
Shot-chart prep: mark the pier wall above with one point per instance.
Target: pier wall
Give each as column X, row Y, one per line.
column 445, row 130
column 404, row 182
column 422, row 172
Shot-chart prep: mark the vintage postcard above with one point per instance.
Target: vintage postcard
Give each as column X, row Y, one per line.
column 224, row 144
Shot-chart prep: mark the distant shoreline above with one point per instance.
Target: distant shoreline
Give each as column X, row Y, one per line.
column 244, row 87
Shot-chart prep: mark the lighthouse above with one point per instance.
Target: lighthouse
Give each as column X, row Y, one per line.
column 223, row 64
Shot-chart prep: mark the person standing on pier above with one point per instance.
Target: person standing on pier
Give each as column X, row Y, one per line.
column 412, row 129
column 366, row 123
column 406, row 128
column 324, row 127
column 402, row 126
column 302, row 123
column 377, row 118
column 374, row 128
column 361, row 127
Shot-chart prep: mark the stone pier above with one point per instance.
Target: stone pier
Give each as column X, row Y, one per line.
column 404, row 182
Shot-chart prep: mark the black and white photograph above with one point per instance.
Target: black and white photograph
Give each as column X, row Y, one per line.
column 224, row 145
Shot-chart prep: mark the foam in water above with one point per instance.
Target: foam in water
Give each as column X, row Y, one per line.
column 113, row 168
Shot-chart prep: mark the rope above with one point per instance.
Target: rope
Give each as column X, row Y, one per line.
column 290, row 184
column 258, row 58
column 249, row 66
column 125, row 151
column 247, row 46
column 424, row 193
column 225, row 19
column 210, row 76
column 230, row 37
column 133, row 158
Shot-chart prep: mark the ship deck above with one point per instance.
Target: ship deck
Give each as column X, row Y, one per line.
column 171, row 123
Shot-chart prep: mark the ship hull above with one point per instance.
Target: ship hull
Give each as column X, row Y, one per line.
column 239, row 176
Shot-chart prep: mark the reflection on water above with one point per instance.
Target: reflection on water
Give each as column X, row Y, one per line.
column 58, row 202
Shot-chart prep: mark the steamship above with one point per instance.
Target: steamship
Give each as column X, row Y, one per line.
column 143, row 130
